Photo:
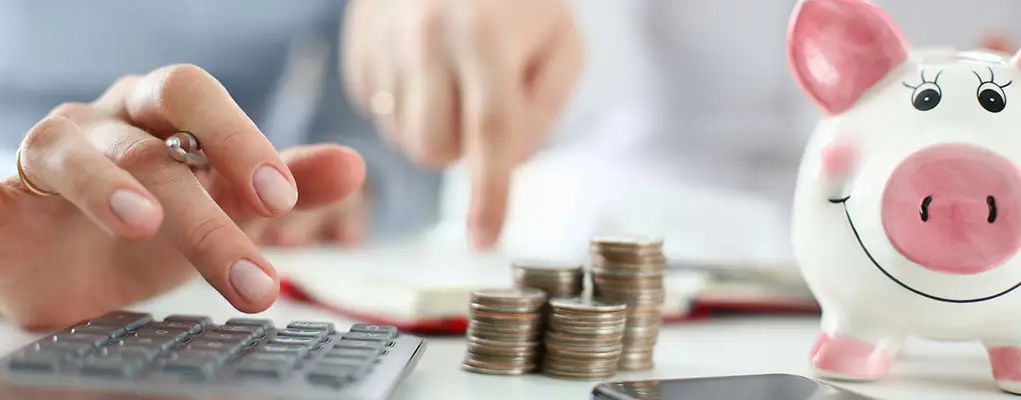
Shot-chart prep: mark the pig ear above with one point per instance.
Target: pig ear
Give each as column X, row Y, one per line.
column 838, row 49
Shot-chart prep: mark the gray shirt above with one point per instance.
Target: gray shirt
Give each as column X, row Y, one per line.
column 279, row 59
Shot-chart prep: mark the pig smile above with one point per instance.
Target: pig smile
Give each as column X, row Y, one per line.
column 843, row 203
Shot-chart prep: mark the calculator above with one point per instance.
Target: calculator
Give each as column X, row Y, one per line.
column 131, row 355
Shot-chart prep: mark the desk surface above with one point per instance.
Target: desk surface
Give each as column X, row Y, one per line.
column 928, row 370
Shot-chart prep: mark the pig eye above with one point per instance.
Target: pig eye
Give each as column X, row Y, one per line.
column 926, row 95
column 991, row 97
column 990, row 94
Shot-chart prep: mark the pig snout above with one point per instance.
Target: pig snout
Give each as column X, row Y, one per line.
column 954, row 208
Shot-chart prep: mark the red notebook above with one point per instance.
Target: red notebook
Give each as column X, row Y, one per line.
column 427, row 291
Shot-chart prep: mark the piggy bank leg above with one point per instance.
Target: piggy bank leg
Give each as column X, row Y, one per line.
column 853, row 350
column 1005, row 357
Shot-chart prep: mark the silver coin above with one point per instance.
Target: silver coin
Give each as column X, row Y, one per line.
column 558, row 326
column 500, row 351
column 524, row 309
column 565, row 316
column 567, row 355
column 554, row 371
column 505, row 337
column 584, row 305
column 627, row 241
column 544, row 266
column 508, row 296
column 497, row 371
column 592, row 347
column 497, row 361
column 523, row 345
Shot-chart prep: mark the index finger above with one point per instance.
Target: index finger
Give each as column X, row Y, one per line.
column 186, row 98
column 197, row 227
column 493, row 126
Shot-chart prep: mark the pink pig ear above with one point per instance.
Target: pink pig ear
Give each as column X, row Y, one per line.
column 838, row 49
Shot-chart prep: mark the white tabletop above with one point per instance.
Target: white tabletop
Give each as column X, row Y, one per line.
column 926, row 370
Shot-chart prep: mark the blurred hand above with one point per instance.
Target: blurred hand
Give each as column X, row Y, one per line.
column 128, row 222
column 478, row 79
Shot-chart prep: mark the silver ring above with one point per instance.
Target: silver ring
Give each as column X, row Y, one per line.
column 185, row 149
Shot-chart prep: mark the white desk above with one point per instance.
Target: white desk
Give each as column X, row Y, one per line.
column 926, row 370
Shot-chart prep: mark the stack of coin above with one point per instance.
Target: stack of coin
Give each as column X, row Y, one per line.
column 559, row 279
column 629, row 270
column 583, row 339
column 504, row 331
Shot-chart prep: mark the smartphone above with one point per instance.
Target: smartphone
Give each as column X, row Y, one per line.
column 738, row 387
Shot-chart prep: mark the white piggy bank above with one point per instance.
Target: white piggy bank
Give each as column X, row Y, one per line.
column 907, row 217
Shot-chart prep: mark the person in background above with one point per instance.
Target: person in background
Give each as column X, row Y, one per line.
column 669, row 97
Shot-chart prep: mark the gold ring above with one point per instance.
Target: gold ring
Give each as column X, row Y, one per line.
column 28, row 184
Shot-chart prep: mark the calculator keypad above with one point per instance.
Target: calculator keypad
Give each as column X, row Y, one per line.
column 134, row 346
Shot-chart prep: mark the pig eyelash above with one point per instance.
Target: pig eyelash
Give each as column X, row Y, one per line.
column 934, row 81
column 992, row 78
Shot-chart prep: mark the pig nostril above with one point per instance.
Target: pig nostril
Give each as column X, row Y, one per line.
column 924, row 211
column 992, row 209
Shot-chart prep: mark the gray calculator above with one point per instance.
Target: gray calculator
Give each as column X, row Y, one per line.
column 130, row 355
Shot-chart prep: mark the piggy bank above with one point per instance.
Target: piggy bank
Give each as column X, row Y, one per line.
column 907, row 211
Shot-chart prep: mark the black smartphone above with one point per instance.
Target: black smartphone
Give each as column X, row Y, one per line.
column 738, row 387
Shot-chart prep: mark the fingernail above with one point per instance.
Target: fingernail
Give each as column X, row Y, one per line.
column 131, row 207
column 249, row 280
column 274, row 190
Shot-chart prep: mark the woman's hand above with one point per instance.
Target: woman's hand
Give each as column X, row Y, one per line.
column 481, row 79
column 127, row 222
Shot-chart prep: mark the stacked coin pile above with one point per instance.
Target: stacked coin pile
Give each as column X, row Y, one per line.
column 559, row 279
column 630, row 270
column 583, row 339
column 504, row 331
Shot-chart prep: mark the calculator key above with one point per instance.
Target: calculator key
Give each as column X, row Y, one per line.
column 343, row 362
column 71, row 348
column 191, row 366
column 113, row 366
column 250, row 330
column 222, row 346
column 312, row 325
column 145, row 353
column 203, row 354
column 272, row 357
column 318, row 335
column 244, row 338
column 190, row 327
column 175, row 334
column 126, row 319
column 363, row 354
column 159, row 343
column 333, row 375
column 292, row 340
column 373, row 337
column 387, row 329
column 359, row 344
column 93, row 339
column 297, row 350
column 272, row 369
column 111, row 331
column 263, row 323
column 190, row 319
column 36, row 361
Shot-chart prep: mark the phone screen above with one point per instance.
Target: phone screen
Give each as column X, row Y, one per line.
column 745, row 387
